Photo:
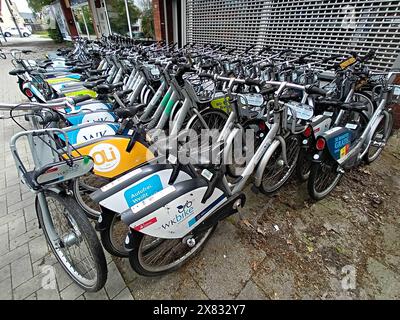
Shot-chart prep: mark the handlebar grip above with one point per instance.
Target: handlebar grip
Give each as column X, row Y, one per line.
column 371, row 53
column 307, row 55
column 253, row 82
column 312, row 89
column 249, row 48
column 181, row 71
column 285, row 51
column 333, row 57
column 79, row 99
column 206, row 75
column 48, row 118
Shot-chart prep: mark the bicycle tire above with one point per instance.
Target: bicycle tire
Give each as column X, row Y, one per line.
column 87, row 233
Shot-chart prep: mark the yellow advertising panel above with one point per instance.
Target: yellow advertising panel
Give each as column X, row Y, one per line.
column 111, row 158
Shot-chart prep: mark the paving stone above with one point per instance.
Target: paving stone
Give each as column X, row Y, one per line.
column 17, row 227
column 3, row 229
column 251, row 292
column 46, row 261
column 100, row 295
column 19, row 205
column 63, row 279
column 32, row 225
column 28, row 195
column 80, row 298
column 385, row 282
column 71, row 292
column 38, row 248
column 124, row 295
column 115, row 283
column 33, row 296
column 11, row 217
column 175, row 286
column 5, row 289
column 21, row 270
column 3, row 208
column 30, row 213
column 276, row 282
column 223, row 259
column 48, row 294
column 4, row 243
column 28, row 287
column 25, row 238
column 5, row 273
column 13, row 196
column 126, row 270
column 13, row 255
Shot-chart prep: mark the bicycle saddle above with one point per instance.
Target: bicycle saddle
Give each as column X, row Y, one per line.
column 122, row 94
column 44, row 65
column 124, row 113
column 91, row 85
column 107, row 88
column 16, row 72
column 96, row 78
column 351, row 106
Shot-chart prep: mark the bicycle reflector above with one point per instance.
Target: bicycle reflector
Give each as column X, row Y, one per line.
column 307, row 133
column 320, row 144
column 28, row 93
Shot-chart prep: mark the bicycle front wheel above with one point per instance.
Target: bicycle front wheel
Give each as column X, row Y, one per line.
column 77, row 249
column 276, row 172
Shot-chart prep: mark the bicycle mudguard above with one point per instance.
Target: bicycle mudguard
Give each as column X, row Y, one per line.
column 90, row 117
column 175, row 211
column 136, row 186
column 89, row 131
column 110, row 156
column 320, row 124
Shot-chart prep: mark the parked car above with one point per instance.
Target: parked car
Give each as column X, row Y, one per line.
column 13, row 31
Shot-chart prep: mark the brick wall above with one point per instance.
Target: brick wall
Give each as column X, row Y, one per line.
column 158, row 12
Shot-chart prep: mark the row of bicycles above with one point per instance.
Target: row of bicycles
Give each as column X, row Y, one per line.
column 157, row 143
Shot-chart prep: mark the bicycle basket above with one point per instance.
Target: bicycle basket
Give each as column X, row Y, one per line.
column 51, row 164
column 201, row 89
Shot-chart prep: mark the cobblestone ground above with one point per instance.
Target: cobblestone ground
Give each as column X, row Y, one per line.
column 24, row 255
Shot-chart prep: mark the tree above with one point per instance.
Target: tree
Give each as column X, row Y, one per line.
column 147, row 18
column 37, row 5
column 117, row 13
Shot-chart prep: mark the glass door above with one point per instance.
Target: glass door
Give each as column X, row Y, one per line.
column 84, row 21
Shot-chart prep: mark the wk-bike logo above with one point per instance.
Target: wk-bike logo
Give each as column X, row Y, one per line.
column 184, row 211
column 95, row 132
column 106, row 157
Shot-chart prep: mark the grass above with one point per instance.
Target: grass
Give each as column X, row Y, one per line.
column 42, row 34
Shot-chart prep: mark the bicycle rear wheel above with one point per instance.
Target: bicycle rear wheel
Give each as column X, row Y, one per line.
column 155, row 256
column 379, row 139
column 324, row 177
column 78, row 249
column 83, row 187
